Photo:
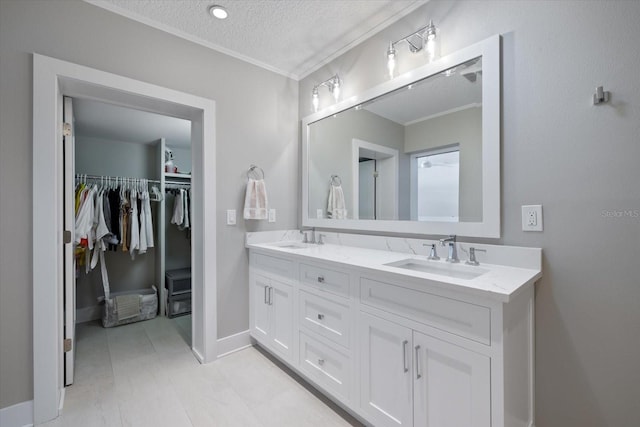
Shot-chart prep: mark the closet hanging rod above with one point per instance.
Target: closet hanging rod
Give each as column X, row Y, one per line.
column 98, row 177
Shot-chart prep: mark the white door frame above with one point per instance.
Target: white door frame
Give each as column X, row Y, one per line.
column 386, row 153
column 53, row 78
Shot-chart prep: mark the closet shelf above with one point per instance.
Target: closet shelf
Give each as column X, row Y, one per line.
column 177, row 175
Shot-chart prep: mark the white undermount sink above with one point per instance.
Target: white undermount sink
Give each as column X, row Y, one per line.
column 441, row 268
column 290, row 245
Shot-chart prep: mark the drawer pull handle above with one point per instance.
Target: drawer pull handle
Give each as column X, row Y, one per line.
column 320, row 279
column 320, row 316
column 270, row 295
column 320, row 362
column 418, row 374
column 266, row 301
column 404, row 355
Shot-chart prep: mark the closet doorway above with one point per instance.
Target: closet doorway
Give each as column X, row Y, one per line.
column 134, row 167
column 52, row 80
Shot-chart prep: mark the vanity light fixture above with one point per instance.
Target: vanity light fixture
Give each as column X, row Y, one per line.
column 333, row 84
column 425, row 38
column 218, row 11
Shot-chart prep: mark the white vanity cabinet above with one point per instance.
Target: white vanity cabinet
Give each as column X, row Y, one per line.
column 271, row 301
column 408, row 378
column 395, row 349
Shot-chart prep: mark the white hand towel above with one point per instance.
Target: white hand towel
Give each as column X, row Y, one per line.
column 336, row 206
column 255, row 200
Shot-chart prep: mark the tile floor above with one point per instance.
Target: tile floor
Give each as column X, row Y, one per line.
column 144, row 374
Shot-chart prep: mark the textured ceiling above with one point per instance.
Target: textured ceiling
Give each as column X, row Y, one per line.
column 291, row 37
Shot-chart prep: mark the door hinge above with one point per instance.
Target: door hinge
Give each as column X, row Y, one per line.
column 66, row 129
column 66, row 236
column 68, row 344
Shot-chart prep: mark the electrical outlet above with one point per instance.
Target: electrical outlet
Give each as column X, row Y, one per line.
column 272, row 215
column 318, row 213
column 231, row 217
column 532, row 218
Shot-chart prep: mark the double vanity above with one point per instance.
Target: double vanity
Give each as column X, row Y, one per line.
column 382, row 326
column 396, row 338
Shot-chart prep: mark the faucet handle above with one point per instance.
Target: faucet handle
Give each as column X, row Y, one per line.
column 321, row 239
column 472, row 255
column 304, row 236
column 433, row 254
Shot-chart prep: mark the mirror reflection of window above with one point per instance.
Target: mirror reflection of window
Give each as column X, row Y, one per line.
column 437, row 183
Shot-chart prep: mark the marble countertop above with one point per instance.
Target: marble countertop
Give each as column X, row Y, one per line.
column 500, row 282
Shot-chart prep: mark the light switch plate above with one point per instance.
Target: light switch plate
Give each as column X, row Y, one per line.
column 231, row 217
column 532, row 218
column 272, row 215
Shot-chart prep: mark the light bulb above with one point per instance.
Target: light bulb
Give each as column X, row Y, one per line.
column 391, row 60
column 336, row 89
column 431, row 42
column 315, row 100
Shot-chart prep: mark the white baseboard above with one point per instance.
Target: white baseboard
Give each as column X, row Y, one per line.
column 233, row 343
column 18, row 415
column 88, row 314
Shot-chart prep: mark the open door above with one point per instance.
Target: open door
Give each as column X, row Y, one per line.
column 69, row 227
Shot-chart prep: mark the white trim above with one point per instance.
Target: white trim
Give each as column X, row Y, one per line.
column 233, row 343
column 53, row 78
column 104, row 4
column 18, row 415
column 87, row 314
column 489, row 227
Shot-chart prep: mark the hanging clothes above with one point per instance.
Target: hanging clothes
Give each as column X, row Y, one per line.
column 178, row 209
column 146, row 219
column 134, row 230
column 114, row 205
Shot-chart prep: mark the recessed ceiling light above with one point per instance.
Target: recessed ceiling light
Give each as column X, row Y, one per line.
column 218, row 12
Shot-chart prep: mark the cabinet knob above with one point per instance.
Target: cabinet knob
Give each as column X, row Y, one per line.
column 320, row 316
column 320, row 279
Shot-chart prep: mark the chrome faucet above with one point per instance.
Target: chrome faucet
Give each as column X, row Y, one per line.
column 433, row 254
column 305, row 239
column 472, row 256
column 453, row 251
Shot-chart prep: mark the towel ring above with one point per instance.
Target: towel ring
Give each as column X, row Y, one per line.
column 255, row 172
column 336, row 180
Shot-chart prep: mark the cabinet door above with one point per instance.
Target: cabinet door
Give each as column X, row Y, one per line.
column 385, row 372
column 451, row 385
column 259, row 317
column 281, row 300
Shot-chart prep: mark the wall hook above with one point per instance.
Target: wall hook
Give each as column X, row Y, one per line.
column 600, row 96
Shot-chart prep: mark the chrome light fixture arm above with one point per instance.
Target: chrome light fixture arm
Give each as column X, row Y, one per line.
column 334, row 85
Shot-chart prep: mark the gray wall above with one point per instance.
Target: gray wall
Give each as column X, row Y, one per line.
column 461, row 127
column 580, row 161
column 264, row 132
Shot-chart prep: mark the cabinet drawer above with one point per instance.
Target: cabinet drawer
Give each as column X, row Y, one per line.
column 325, row 279
column 457, row 317
column 269, row 264
column 328, row 367
column 325, row 317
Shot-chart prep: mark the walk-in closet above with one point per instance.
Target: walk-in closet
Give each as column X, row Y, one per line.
column 132, row 258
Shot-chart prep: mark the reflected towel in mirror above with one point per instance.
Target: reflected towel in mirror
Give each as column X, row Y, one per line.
column 255, row 200
column 336, row 207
